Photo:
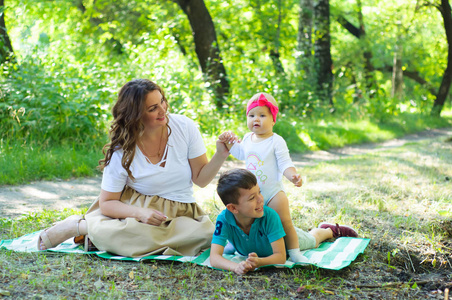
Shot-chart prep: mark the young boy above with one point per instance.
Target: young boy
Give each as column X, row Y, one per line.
column 253, row 229
column 266, row 155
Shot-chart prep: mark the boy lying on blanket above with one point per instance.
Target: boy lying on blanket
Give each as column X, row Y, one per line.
column 255, row 230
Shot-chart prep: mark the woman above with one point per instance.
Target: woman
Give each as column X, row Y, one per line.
column 146, row 205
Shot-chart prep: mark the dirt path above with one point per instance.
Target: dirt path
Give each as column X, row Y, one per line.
column 81, row 192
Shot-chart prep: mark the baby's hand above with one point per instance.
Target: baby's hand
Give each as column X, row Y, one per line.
column 228, row 137
column 243, row 268
column 296, row 180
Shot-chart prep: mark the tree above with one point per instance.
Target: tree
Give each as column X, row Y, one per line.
column 207, row 48
column 274, row 53
column 269, row 31
column 322, row 54
column 304, row 38
column 112, row 42
column 360, row 33
column 444, row 88
column 397, row 71
column 6, row 50
column 402, row 26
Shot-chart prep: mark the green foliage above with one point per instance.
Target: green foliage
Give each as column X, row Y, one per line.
column 38, row 105
column 291, row 134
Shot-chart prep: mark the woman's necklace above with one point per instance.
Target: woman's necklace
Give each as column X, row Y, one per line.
column 158, row 151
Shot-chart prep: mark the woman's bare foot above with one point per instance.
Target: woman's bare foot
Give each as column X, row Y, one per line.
column 61, row 231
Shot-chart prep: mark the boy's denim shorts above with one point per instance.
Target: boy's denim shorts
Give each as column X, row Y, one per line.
column 305, row 239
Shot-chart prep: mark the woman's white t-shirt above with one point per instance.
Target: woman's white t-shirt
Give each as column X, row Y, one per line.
column 173, row 181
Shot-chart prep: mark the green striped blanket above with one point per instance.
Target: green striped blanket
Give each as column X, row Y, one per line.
column 333, row 256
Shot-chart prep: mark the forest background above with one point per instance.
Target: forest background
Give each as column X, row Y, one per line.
column 343, row 72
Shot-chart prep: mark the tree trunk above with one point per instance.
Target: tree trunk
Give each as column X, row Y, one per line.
column 371, row 82
column 438, row 105
column 6, row 49
column 397, row 73
column 304, row 38
column 206, row 47
column 411, row 74
column 270, row 36
column 277, row 64
column 360, row 33
column 322, row 45
column 274, row 53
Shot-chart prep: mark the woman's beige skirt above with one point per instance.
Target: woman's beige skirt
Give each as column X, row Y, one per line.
column 187, row 231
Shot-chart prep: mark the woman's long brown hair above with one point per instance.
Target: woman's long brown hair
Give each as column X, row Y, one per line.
column 127, row 127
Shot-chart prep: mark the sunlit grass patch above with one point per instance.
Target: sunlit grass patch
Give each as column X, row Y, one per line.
column 334, row 132
column 25, row 163
column 386, row 194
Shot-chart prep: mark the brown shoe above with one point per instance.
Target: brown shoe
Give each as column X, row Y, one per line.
column 89, row 246
column 339, row 231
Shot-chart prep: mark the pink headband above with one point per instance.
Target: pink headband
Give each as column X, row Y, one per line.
column 262, row 101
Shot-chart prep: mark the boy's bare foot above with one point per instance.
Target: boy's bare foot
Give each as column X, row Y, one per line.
column 61, row 231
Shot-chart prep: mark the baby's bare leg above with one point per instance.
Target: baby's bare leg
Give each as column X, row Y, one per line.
column 280, row 204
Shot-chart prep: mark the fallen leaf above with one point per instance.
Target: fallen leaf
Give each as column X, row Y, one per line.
column 98, row 284
column 300, row 289
column 131, row 276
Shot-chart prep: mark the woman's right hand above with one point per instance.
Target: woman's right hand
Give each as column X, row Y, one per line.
column 228, row 137
column 151, row 217
column 111, row 206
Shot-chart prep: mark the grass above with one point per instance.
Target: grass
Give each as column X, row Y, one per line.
column 398, row 197
column 22, row 163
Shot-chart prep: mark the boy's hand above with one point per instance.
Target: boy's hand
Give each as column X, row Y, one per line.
column 296, row 180
column 243, row 268
column 253, row 260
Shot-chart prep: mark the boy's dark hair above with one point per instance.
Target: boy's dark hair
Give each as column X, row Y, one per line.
column 230, row 182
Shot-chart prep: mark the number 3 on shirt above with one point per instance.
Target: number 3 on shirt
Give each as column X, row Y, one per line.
column 218, row 228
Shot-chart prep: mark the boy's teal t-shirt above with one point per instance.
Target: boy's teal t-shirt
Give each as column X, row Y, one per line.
column 264, row 231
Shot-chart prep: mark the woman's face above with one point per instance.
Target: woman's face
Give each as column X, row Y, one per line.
column 155, row 110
